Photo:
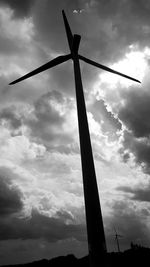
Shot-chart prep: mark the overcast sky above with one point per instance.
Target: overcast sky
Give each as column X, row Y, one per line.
column 41, row 194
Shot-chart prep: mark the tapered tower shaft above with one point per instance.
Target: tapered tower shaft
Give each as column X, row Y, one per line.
column 117, row 241
column 95, row 229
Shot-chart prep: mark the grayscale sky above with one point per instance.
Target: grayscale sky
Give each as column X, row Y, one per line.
column 41, row 195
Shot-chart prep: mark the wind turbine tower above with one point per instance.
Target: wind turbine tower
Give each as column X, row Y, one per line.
column 117, row 240
column 94, row 221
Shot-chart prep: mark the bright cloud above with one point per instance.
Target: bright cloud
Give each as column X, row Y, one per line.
column 15, row 29
column 133, row 64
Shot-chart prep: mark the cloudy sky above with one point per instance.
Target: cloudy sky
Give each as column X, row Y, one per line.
column 41, row 195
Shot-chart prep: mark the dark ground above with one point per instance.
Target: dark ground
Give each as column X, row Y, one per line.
column 136, row 256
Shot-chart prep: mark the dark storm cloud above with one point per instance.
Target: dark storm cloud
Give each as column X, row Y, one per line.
column 47, row 122
column 139, row 194
column 129, row 223
column 136, row 111
column 124, row 23
column 8, row 47
column 100, row 113
column 135, row 115
column 9, row 115
column 40, row 226
column 45, row 111
column 46, row 118
column 139, row 147
column 21, row 8
column 49, row 22
column 62, row 77
column 10, row 196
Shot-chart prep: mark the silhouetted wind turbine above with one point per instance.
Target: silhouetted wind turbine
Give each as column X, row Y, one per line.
column 117, row 239
column 95, row 229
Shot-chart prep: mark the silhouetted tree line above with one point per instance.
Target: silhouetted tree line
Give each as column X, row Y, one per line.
column 136, row 256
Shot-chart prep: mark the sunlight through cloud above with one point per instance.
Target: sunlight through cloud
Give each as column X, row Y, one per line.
column 133, row 64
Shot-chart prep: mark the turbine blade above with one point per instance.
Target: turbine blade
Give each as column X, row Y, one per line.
column 106, row 68
column 68, row 30
column 48, row 65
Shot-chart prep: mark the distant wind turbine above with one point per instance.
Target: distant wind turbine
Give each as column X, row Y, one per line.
column 117, row 239
column 95, row 229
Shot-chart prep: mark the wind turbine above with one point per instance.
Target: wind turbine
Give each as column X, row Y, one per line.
column 94, row 221
column 117, row 240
